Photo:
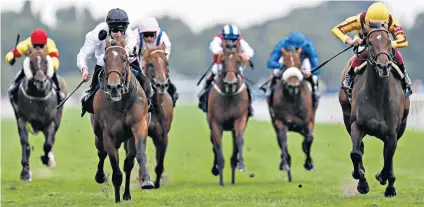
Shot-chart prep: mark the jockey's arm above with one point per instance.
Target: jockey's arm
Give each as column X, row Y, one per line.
column 131, row 42
column 398, row 34
column 20, row 50
column 215, row 45
column 90, row 44
column 273, row 61
column 313, row 57
column 53, row 52
column 247, row 50
column 348, row 25
column 165, row 39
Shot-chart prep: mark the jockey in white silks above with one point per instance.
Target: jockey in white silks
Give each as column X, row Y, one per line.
column 148, row 35
column 230, row 35
column 116, row 26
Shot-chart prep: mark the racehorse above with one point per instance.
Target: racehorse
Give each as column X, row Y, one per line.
column 120, row 114
column 228, row 111
column 378, row 107
column 158, row 72
column 36, row 107
column 290, row 107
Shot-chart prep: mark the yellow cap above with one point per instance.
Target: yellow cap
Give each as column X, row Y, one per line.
column 377, row 12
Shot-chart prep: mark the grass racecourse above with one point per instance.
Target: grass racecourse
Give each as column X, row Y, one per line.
column 187, row 180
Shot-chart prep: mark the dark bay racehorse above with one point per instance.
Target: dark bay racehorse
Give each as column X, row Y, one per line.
column 35, row 107
column 158, row 72
column 379, row 108
column 290, row 107
column 228, row 111
column 120, row 114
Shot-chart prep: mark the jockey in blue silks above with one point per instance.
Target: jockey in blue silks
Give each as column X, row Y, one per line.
column 309, row 59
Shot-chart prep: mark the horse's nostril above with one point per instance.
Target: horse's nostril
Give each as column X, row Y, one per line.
column 157, row 85
column 166, row 85
column 108, row 87
column 119, row 86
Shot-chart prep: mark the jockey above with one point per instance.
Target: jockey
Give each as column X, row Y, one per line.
column 379, row 13
column 116, row 25
column 38, row 40
column 309, row 59
column 149, row 34
column 232, row 37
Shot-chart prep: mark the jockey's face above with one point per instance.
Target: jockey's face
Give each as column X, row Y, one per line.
column 116, row 35
column 149, row 37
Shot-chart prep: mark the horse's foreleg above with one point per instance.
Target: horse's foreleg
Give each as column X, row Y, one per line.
column 112, row 152
column 26, row 174
column 234, row 159
column 216, row 136
column 356, row 156
column 139, row 131
column 281, row 131
column 306, row 147
column 48, row 157
column 101, row 153
column 128, row 166
column 346, row 109
column 387, row 173
column 239, row 128
column 161, row 144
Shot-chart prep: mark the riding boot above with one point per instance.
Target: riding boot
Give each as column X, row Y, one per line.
column 172, row 90
column 250, row 108
column 13, row 89
column 148, row 89
column 202, row 93
column 270, row 85
column 348, row 81
column 315, row 94
column 60, row 94
column 406, row 81
column 91, row 91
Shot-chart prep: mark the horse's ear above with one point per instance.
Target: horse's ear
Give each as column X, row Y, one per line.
column 162, row 46
column 283, row 51
column 299, row 51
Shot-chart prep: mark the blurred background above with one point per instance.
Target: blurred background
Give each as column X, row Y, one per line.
column 191, row 25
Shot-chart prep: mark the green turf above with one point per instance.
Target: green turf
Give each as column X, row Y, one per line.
column 188, row 180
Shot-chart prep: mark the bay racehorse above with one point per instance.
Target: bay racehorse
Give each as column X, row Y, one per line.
column 35, row 107
column 291, row 109
column 228, row 102
column 158, row 72
column 120, row 114
column 378, row 107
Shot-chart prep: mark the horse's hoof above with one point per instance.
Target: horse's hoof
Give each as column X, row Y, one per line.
column 126, row 196
column 240, row 167
column 363, row 187
column 52, row 162
column 380, row 179
column 147, row 184
column 44, row 160
column 359, row 175
column 26, row 176
column 309, row 166
column 215, row 171
column 100, row 177
column 285, row 167
column 390, row 192
column 157, row 184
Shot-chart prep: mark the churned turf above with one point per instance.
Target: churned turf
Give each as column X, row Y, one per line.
column 187, row 180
